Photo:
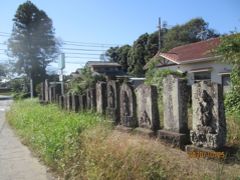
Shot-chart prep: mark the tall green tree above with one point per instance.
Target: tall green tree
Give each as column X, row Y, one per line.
column 193, row 31
column 32, row 42
column 146, row 46
column 137, row 55
column 229, row 49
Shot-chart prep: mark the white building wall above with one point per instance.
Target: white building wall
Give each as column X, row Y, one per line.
column 216, row 69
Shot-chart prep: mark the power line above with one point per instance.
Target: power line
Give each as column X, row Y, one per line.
column 4, row 33
column 84, row 45
column 90, row 43
column 81, row 49
column 80, row 57
column 75, row 43
column 81, row 53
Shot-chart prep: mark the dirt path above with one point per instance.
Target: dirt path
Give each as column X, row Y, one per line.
column 16, row 161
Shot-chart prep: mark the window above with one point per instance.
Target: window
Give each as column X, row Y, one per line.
column 226, row 82
column 200, row 76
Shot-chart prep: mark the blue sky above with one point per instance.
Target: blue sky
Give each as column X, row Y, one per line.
column 120, row 22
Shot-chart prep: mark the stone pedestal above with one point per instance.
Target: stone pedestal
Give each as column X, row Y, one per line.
column 123, row 128
column 173, row 138
column 145, row 132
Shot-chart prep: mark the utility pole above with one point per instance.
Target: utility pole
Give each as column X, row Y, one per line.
column 159, row 33
column 61, row 67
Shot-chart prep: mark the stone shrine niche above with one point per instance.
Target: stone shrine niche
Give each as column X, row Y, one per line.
column 209, row 124
column 113, row 109
column 101, row 97
column 127, row 106
column 147, row 107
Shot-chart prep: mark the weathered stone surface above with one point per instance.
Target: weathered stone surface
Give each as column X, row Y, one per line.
column 175, row 139
column 57, row 99
column 145, row 132
column 175, row 98
column 147, row 107
column 42, row 92
column 75, row 103
column 209, row 124
column 82, row 102
column 91, row 99
column 127, row 106
column 61, row 101
column 124, row 129
column 46, row 91
column 101, row 97
column 113, row 109
column 69, row 102
column 65, row 100
column 51, row 94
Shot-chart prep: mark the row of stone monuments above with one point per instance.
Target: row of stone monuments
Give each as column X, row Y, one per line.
column 136, row 108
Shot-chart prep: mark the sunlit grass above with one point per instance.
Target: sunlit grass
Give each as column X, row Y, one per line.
column 84, row 146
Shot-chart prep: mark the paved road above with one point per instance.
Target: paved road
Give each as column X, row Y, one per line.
column 16, row 161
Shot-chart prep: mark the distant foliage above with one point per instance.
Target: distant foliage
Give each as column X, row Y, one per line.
column 20, row 87
column 230, row 51
column 156, row 76
column 86, row 79
column 193, row 31
column 134, row 58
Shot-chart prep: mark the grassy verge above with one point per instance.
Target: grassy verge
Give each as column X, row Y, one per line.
column 84, row 146
column 52, row 134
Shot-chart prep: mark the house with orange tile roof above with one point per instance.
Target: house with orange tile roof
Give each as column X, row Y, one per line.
column 198, row 61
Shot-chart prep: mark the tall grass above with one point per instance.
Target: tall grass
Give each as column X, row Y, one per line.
column 233, row 127
column 84, row 146
column 51, row 133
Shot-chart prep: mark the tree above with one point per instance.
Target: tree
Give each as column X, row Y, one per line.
column 86, row 79
column 229, row 49
column 146, row 46
column 32, row 42
column 112, row 54
column 193, row 31
column 137, row 56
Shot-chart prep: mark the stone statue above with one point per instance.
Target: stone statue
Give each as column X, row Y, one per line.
column 145, row 120
column 126, row 106
column 111, row 97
